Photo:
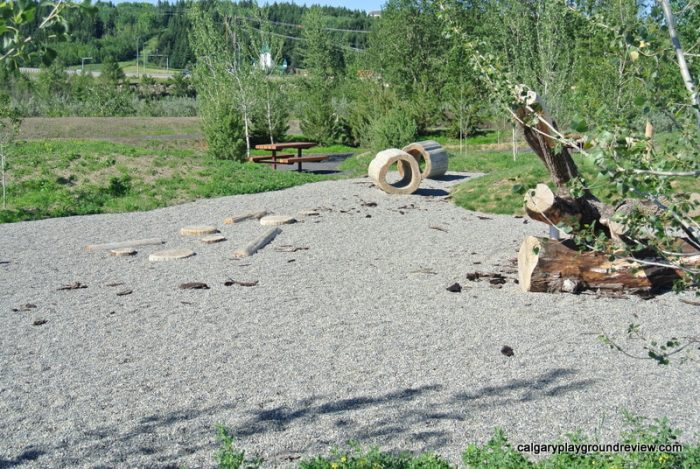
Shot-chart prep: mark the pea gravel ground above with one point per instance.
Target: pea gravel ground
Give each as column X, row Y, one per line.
column 354, row 338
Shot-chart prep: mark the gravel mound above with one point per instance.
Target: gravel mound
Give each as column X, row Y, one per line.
column 349, row 333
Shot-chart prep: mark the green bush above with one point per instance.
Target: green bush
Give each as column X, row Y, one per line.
column 223, row 128
column 359, row 459
column 393, row 130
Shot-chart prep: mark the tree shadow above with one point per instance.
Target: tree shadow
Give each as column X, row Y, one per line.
column 450, row 177
column 29, row 454
column 425, row 192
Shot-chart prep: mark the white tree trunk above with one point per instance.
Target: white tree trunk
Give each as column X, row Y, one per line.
column 682, row 64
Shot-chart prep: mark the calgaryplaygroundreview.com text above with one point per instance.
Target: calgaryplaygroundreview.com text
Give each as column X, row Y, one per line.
column 536, row 448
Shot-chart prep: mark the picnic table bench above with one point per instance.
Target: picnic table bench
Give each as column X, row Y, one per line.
column 289, row 158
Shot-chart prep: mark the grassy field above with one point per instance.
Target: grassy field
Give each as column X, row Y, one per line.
column 73, row 166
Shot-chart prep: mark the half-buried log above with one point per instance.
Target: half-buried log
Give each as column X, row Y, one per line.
column 245, row 217
column 124, row 244
column 409, row 171
column 434, row 156
column 546, row 265
column 258, row 244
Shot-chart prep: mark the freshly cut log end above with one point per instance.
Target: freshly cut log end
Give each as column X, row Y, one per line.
column 277, row 220
column 550, row 266
column 198, row 230
column 543, row 205
column 409, row 170
column 434, row 156
column 170, row 255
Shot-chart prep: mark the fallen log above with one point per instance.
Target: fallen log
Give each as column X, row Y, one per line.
column 258, row 244
column 245, row 217
column 550, row 266
column 124, row 244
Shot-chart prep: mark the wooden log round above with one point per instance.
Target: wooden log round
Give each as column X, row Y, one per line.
column 409, row 171
column 546, row 265
column 434, row 156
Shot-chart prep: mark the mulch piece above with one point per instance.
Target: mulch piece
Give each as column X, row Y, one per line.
column 483, row 218
column 494, row 279
column 117, row 284
column 125, row 292
column 290, row 248
column 369, row 204
column 39, row 322
column 455, row 288
column 230, row 282
column 24, row 307
column 439, row 228
column 507, row 351
column 194, row 286
column 73, row 286
column 424, row 271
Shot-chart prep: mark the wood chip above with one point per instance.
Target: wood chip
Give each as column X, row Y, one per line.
column 439, row 228
column 276, row 220
column 170, row 254
column 455, row 288
column 424, row 271
column 125, row 292
column 287, row 248
column 211, row 239
column 122, row 252
column 507, row 351
column 230, row 282
column 369, row 204
column 73, row 286
column 194, row 286
column 39, row 322
column 198, row 230
column 483, row 218
column 117, row 284
column 24, row 307
column 309, row 213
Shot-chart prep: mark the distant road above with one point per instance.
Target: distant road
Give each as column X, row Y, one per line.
column 97, row 74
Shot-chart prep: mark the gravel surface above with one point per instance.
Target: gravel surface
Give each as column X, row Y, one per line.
column 354, row 338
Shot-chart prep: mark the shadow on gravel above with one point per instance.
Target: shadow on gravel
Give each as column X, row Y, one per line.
column 450, row 177
column 28, row 455
column 431, row 192
column 522, row 390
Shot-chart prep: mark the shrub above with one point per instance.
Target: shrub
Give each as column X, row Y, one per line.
column 393, row 130
column 223, row 128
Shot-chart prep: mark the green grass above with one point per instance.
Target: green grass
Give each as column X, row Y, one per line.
column 484, row 138
column 76, row 177
column 499, row 453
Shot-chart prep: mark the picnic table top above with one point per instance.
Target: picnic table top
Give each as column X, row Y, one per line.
column 282, row 146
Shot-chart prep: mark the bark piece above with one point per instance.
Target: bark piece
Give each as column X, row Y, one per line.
column 507, row 351
column 124, row 244
column 198, row 230
column 410, row 171
column 125, row 292
column 230, row 282
column 434, row 155
column 194, row 286
column 245, row 217
column 277, row 220
column 455, row 288
column 39, row 322
column 73, row 286
column 545, row 265
column 170, row 254
column 259, row 243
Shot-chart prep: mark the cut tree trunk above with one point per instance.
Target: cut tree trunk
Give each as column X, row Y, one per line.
column 542, row 140
column 546, row 265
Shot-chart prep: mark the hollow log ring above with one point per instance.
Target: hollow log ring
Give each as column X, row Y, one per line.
column 434, row 155
column 408, row 168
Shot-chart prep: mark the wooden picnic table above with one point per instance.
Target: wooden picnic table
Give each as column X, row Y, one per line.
column 274, row 158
